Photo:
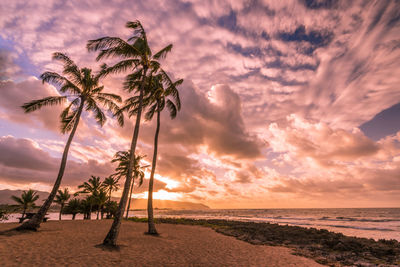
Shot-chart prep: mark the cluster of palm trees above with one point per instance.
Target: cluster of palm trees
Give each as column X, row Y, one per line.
column 97, row 194
column 151, row 91
column 97, row 198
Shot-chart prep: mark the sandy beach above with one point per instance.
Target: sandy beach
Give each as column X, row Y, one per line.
column 73, row 243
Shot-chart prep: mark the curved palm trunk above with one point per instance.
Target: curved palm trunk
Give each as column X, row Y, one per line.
column 130, row 198
column 34, row 223
column 111, row 238
column 152, row 228
column 73, row 216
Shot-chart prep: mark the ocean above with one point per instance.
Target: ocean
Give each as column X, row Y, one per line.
column 376, row 223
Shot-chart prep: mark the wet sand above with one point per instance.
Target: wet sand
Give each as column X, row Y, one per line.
column 73, row 243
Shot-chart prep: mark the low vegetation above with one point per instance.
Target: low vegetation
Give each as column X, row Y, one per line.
column 3, row 215
column 325, row 247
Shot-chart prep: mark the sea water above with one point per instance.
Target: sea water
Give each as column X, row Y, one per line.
column 376, row 223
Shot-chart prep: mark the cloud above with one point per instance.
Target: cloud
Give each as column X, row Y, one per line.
column 23, row 161
column 24, row 153
column 15, row 94
column 248, row 66
column 214, row 123
column 320, row 142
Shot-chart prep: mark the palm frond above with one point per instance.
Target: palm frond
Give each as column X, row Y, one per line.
column 47, row 101
column 114, row 108
column 100, row 117
column 163, row 52
column 150, row 113
column 119, row 67
column 68, row 86
column 172, row 109
column 112, row 97
column 64, row 114
column 68, row 121
column 17, row 199
column 138, row 30
column 52, row 77
column 97, row 90
column 64, row 58
column 105, row 43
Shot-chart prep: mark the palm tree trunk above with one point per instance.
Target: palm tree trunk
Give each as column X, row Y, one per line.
column 34, row 223
column 152, row 228
column 90, row 212
column 130, row 198
column 73, row 216
column 59, row 216
column 111, row 238
column 23, row 213
column 98, row 211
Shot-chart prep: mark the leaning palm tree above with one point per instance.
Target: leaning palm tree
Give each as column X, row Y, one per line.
column 138, row 58
column 164, row 93
column 122, row 157
column 26, row 201
column 82, row 88
column 92, row 187
column 110, row 184
column 61, row 198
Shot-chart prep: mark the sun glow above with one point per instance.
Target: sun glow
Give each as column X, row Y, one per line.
column 161, row 194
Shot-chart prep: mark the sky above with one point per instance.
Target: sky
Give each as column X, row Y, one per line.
column 285, row 104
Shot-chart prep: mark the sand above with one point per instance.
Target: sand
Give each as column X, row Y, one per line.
column 73, row 243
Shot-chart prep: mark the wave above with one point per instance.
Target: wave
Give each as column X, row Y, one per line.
column 361, row 228
column 351, row 219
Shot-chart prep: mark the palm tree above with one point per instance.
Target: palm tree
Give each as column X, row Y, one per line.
column 123, row 158
column 111, row 208
column 27, row 200
column 86, row 207
column 83, row 89
column 110, row 184
column 164, row 93
column 100, row 199
column 61, row 198
column 73, row 207
column 92, row 187
column 136, row 56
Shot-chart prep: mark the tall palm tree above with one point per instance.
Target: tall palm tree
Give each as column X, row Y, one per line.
column 61, row 198
column 26, row 201
column 122, row 157
column 138, row 58
column 92, row 187
column 164, row 93
column 110, row 184
column 82, row 88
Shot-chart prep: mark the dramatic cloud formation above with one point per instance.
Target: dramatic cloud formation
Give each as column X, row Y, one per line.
column 272, row 103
